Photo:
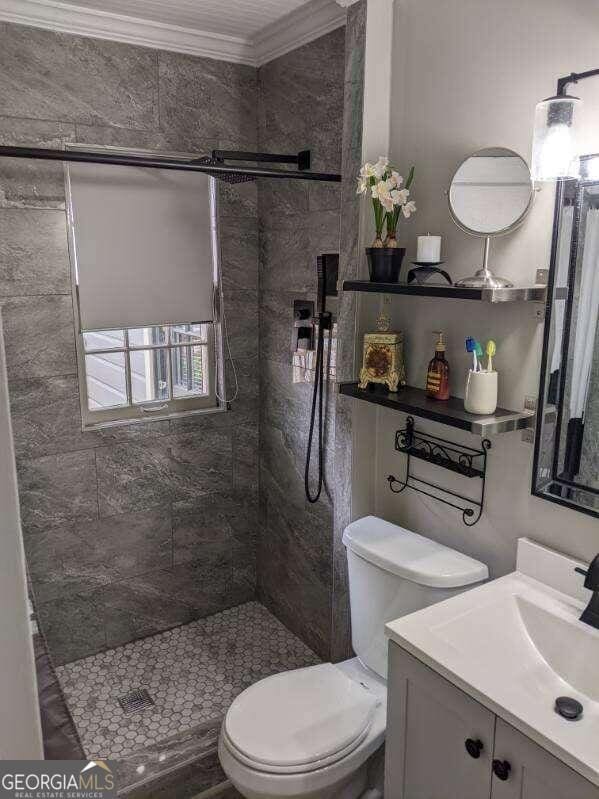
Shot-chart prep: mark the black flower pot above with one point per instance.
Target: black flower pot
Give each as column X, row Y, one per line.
column 384, row 263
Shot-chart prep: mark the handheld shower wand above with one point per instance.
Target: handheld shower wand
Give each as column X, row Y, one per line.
column 326, row 271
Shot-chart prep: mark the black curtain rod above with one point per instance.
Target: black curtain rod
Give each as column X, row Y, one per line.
column 162, row 163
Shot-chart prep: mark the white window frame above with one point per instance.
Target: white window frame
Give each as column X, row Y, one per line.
column 214, row 402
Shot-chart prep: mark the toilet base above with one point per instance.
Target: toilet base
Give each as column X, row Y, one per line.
column 352, row 788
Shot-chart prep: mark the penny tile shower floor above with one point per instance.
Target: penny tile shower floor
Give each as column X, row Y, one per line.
column 192, row 673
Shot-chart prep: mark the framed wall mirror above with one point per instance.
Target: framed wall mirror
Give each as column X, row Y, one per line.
column 566, row 463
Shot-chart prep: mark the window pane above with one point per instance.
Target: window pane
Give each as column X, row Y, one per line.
column 189, row 334
column 106, row 380
column 149, row 375
column 104, row 340
column 147, row 336
column 190, row 371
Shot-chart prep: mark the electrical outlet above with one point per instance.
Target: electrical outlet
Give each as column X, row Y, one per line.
column 542, row 277
column 538, row 312
column 528, row 435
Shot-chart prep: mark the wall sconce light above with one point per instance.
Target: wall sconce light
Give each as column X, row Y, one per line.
column 555, row 145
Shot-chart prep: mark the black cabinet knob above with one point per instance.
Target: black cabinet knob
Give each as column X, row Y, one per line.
column 474, row 748
column 501, row 769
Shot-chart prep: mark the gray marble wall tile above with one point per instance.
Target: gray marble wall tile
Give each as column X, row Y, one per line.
column 143, row 475
column 277, row 331
column 69, row 78
column 34, row 257
column 115, row 575
column 141, row 606
column 288, row 253
column 25, row 183
column 301, row 101
column 39, row 336
column 298, row 222
column 46, row 419
column 294, row 559
column 56, row 489
column 238, row 200
column 73, row 627
column 241, row 308
column 245, row 457
column 153, row 140
column 239, row 253
column 348, row 269
column 203, row 98
column 80, row 556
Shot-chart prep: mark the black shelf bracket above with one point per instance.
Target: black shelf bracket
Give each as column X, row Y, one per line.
column 457, row 458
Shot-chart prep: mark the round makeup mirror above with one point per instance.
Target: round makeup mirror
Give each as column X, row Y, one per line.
column 490, row 194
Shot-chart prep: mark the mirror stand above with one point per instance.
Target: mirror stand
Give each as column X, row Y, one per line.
column 484, row 278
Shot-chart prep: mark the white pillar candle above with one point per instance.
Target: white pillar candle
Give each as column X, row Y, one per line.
column 429, row 249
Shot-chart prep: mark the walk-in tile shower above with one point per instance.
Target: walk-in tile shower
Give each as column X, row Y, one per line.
column 172, row 562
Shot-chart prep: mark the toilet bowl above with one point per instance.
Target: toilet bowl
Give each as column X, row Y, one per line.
column 308, row 733
column 326, row 721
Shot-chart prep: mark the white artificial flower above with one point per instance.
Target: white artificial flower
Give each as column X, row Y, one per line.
column 381, row 166
column 400, row 196
column 395, row 179
column 367, row 171
column 408, row 209
column 363, row 184
column 380, row 191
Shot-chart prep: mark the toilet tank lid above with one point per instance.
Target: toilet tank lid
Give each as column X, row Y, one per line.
column 410, row 555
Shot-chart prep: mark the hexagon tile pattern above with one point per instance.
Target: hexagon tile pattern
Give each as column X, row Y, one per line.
column 192, row 673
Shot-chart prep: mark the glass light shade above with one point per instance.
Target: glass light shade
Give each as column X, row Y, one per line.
column 555, row 150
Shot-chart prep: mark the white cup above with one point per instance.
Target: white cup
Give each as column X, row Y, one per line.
column 481, row 393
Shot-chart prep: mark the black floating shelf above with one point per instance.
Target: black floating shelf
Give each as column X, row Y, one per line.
column 450, row 412
column 518, row 294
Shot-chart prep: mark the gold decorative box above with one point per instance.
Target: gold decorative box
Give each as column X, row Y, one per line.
column 383, row 358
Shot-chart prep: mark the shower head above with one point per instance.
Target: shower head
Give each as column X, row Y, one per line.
column 228, row 177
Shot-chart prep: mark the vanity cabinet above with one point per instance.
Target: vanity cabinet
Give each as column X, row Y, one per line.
column 442, row 744
column 439, row 740
column 533, row 773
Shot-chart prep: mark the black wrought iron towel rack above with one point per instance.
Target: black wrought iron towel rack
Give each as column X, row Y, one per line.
column 457, row 458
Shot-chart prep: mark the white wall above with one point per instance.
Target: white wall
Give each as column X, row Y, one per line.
column 467, row 74
column 20, row 734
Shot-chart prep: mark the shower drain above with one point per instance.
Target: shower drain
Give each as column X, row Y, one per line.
column 136, row 701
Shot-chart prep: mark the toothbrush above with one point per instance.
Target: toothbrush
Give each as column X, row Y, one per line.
column 471, row 347
column 479, row 356
column 491, row 350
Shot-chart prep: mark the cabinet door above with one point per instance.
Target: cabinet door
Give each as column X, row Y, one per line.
column 429, row 723
column 533, row 773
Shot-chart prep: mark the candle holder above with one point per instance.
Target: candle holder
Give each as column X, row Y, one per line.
column 424, row 271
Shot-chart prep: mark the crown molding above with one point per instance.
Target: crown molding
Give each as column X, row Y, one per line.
column 309, row 22
column 66, row 18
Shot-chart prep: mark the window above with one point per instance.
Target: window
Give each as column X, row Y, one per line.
column 149, row 371
column 144, row 253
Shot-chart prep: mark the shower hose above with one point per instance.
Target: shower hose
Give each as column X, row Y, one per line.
column 324, row 323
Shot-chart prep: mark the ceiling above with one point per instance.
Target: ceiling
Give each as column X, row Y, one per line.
column 243, row 18
column 245, row 31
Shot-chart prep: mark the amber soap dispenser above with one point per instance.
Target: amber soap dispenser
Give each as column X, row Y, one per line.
column 437, row 378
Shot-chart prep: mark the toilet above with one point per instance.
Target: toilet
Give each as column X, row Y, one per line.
column 308, row 733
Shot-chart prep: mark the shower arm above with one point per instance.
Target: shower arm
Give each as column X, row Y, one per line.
column 217, row 167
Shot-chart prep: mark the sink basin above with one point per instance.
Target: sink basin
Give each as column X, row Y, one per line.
column 570, row 649
column 516, row 644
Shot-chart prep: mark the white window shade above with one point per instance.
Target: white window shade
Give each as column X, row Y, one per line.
column 144, row 243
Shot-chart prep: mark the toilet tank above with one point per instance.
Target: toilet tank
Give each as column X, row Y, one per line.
column 393, row 572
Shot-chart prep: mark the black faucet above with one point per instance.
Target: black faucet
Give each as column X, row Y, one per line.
column 590, row 614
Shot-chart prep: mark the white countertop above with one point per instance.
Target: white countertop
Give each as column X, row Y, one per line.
column 515, row 644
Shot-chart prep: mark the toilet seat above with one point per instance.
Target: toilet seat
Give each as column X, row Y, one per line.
column 299, row 721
